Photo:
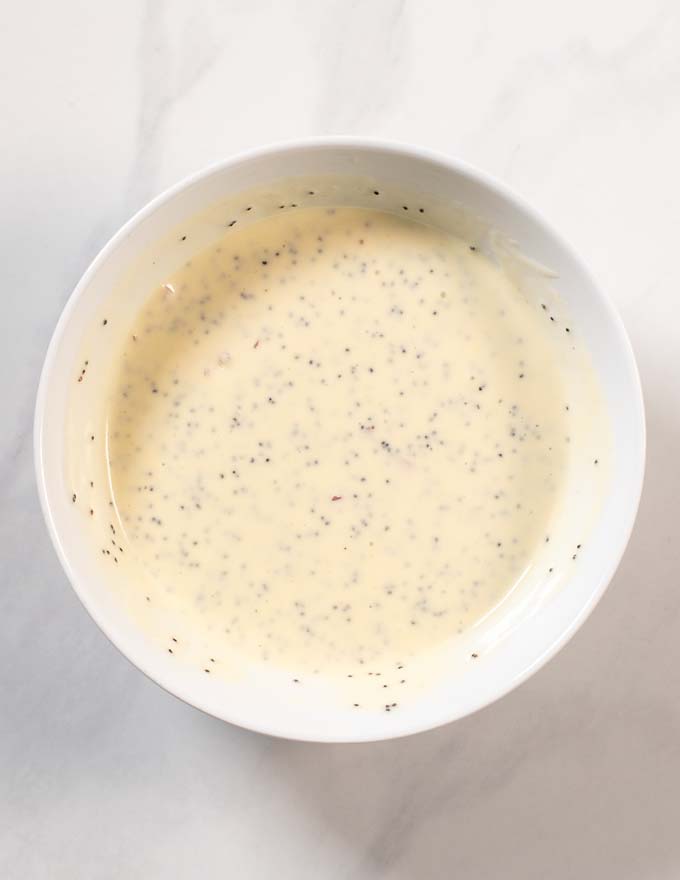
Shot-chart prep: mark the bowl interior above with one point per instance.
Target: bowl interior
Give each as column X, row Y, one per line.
column 525, row 631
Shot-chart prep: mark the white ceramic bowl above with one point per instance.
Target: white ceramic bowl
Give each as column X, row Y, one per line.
column 537, row 635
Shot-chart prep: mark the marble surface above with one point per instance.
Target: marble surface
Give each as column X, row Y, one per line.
column 576, row 774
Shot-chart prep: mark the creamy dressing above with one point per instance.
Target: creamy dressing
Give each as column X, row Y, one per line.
column 336, row 438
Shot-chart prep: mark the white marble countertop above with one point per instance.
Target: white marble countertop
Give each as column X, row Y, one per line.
column 576, row 774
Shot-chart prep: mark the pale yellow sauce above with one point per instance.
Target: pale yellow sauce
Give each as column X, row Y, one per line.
column 335, row 439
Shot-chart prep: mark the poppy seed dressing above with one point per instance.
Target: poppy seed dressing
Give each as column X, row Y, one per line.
column 335, row 438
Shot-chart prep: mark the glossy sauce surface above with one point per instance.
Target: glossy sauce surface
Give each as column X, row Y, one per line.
column 336, row 438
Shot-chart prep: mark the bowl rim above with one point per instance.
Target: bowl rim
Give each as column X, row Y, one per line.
column 365, row 144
